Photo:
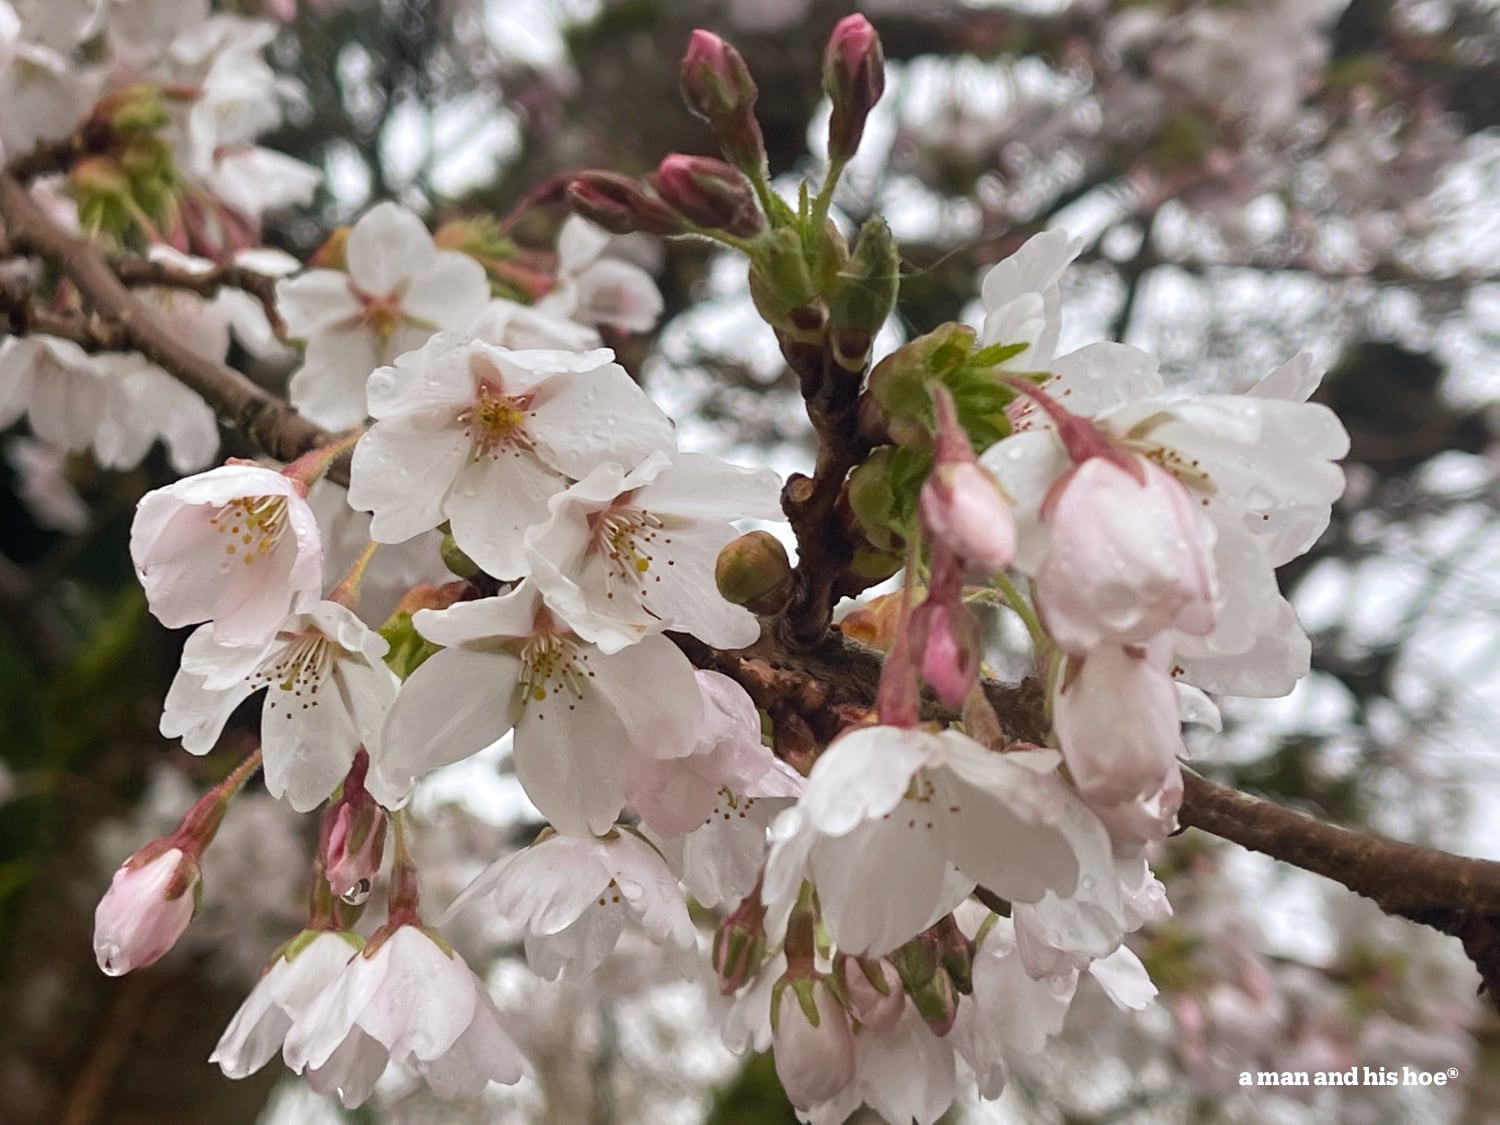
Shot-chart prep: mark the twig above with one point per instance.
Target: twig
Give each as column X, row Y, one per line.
column 136, row 272
column 272, row 424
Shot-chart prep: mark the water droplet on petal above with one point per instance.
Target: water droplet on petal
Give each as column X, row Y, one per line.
column 358, row 894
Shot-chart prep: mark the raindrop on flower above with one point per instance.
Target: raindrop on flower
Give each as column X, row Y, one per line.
column 358, row 894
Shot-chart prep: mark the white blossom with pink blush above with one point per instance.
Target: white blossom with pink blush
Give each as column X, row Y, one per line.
column 627, row 554
column 328, row 692
column 511, row 324
column 398, row 291
column 295, row 978
column 1022, row 301
column 148, row 905
column 455, row 1038
column 56, row 385
column 237, row 546
column 43, row 485
column 581, row 716
column 897, row 826
column 902, row 1071
column 483, row 437
column 599, row 291
column 572, row 897
column 708, row 813
column 1128, row 557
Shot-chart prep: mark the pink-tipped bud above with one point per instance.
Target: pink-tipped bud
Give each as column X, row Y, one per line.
column 149, row 903
column 356, row 839
column 853, row 79
column 716, row 85
column 811, row 1039
column 708, row 192
column 620, row 205
column 961, row 505
column 739, row 946
column 945, row 638
column 873, row 988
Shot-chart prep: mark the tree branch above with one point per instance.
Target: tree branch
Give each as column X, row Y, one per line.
column 272, row 424
column 136, row 272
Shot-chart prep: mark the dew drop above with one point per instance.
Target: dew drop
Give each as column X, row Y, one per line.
column 358, row 894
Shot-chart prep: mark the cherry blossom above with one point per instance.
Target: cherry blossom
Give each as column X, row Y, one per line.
column 896, row 827
column 483, row 437
column 237, row 546
column 571, row 897
column 594, row 290
column 812, row 1041
column 328, row 692
column 581, row 716
column 296, row 976
column 399, row 290
column 455, row 1038
column 628, row 553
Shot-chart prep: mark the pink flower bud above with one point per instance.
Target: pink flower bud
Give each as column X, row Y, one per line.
column 619, row 205
column 874, row 991
column 739, row 947
column 1129, row 557
column 149, row 903
column 811, row 1039
column 355, row 848
column 708, row 192
column 853, row 79
column 945, row 637
column 963, row 508
column 716, row 85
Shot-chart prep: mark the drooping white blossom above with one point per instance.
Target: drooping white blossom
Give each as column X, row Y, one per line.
column 328, row 692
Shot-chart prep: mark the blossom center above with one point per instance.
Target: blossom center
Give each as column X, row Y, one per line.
column 381, row 315
column 496, row 422
column 251, row 525
column 625, row 538
column 299, row 667
column 552, row 665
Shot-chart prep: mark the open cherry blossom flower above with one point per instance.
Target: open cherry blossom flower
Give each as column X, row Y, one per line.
column 328, row 694
column 455, row 1038
column 56, row 385
column 511, row 324
column 708, row 813
column 483, row 437
column 594, row 290
column 143, row 404
column 902, row 1071
column 890, row 813
column 237, row 546
column 296, row 976
column 573, row 895
column 399, row 290
column 631, row 553
column 582, row 717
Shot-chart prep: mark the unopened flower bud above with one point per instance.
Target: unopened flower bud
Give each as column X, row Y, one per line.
column 455, row 560
column 739, row 948
column 780, row 281
column 864, row 293
column 620, row 205
column 920, row 965
column 708, row 192
column 853, row 79
column 150, row 901
column 131, row 109
column 716, row 85
column 945, row 638
column 811, row 1040
column 900, row 381
column 873, row 988
column 356, row 839
column 331, row 255
column 754, row 571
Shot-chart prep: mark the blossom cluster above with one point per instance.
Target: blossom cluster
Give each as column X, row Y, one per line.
column 906, row 899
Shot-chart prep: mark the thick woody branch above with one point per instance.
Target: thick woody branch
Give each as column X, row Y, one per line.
column 272, row 424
